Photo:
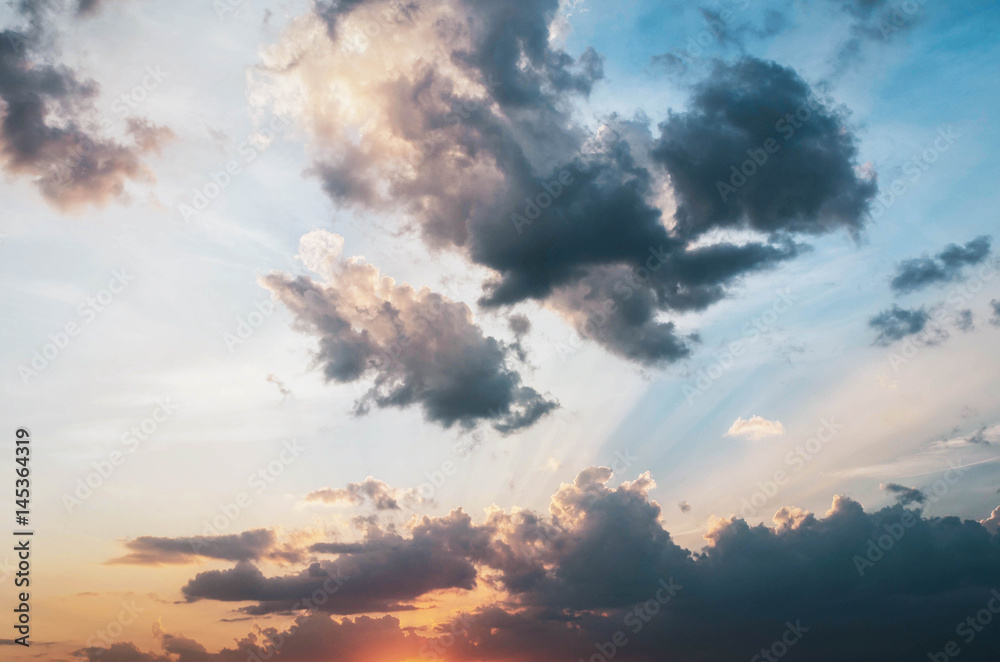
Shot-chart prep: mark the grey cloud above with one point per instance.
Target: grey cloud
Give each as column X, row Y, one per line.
column 419, row 347
column 378, row 493
column 809, row 184
column 947, row 266
column 71, row 163
column 995, row 306
column 897, row 323
column 502, row 172
column 150, row 550
column 905, row 496
column 601, row 553
column 380, row 574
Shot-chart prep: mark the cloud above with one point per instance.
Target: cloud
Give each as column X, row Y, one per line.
column 458, row 119
column 311, row 638
column 995, row 306
column 905, row 496
column 377, row 493
column 947, row 266
column 874, row 21
column 992, row 523
column 381, row 573
column 965, row 321
column 756, row 428
column 897, row 323
column 150, row 550
column 48, row 132
column 808, row 182
column 601, row 553
column 684, row 506
column 285, row 391
column 90, row 7
column 418, row 347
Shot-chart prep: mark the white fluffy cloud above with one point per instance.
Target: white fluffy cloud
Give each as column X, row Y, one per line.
column 755, row 427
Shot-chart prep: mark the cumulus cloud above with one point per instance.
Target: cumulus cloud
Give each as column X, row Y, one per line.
column 755, row 427
column 457, row 118
column 601, row 554
column 49, row 133
column 904, row 495
column 992, row 523
column 947, row 266
column 418, row 347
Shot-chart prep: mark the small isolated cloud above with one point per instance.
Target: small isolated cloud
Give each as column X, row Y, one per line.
column 965, row 321
column 151, row 550
column 377, row 493
column 684, row 506
column 756, row 427
column 945, row 267
column 904, row 495
column 897, row 323
column 285, row 391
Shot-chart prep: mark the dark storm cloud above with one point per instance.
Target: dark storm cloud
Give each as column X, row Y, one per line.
column 68, row 160
column 570, row 217
column 905, row 496
column 380, row 574
column 897, row 323
column 757, row 150
column 947, row 266
column 419, row 347
column 600, row 562
column 149, row 550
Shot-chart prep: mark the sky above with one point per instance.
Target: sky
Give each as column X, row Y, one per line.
column 513, row 330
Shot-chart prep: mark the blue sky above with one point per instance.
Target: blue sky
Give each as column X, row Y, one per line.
column 168, row 335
